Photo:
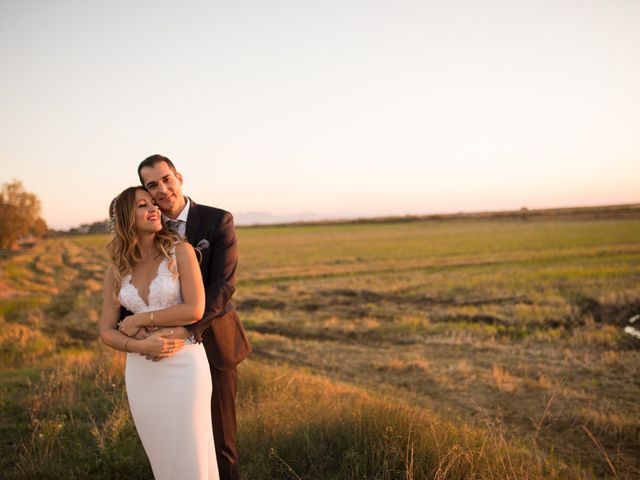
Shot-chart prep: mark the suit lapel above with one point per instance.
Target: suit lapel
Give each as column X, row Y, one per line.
column 193, row 218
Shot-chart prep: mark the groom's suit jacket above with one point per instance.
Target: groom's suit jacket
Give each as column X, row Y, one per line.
column 211, row 231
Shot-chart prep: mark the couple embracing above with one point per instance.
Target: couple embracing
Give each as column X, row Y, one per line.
column 167, row 304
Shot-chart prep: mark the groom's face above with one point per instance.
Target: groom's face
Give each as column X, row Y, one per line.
column 165, row 187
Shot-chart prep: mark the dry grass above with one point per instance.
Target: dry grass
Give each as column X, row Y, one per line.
column 503, row 380
column 508, row 330
column 301, row 422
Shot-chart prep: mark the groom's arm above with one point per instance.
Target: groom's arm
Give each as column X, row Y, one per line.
column 223, row 261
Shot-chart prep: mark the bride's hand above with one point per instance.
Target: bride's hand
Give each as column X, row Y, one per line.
column 172, row 332
column 160, row 346
column 179, row 333
column 129, row 325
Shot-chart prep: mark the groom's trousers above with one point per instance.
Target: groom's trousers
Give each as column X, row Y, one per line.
column 223, row 415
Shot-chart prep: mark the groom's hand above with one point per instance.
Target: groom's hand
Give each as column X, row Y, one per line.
column 168, row 332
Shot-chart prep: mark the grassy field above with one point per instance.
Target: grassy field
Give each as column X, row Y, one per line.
column 428, row 349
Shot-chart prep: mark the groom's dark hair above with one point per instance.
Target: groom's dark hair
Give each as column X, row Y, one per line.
column 151, row 161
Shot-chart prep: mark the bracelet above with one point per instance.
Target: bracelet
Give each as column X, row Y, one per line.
column 151, row 319
column 125, row 344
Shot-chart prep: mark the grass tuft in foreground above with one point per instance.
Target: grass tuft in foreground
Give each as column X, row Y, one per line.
column 295, row 425
column 76, row 424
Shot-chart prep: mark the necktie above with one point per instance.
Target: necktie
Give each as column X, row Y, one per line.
column 174, row 225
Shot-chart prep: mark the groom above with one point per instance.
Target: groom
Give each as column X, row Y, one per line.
column 211, row 231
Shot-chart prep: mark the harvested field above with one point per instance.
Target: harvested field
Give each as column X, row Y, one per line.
column 503, row 333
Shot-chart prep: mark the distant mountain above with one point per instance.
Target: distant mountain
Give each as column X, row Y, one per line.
column 266, row 218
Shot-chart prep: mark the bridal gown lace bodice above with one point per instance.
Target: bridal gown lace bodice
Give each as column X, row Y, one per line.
column 164, row 291
column 176, row 389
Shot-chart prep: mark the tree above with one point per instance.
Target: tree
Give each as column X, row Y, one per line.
column 19, row 214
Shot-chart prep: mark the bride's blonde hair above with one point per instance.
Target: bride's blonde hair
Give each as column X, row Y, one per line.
column 123, row 247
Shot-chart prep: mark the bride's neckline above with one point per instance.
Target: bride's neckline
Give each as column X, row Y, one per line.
column 155, row 277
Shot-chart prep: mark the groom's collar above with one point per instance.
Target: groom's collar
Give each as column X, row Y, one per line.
column 183, row 214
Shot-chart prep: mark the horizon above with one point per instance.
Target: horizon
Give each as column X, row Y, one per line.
column 266, row 219
column 344, row 110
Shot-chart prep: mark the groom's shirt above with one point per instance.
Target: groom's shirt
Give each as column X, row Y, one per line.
column 181, row 228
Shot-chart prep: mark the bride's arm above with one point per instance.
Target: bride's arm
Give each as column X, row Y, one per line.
column 156, row 345
column 192, row 293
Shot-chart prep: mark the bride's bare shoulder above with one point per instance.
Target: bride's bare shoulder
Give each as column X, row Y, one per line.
column 183, row 249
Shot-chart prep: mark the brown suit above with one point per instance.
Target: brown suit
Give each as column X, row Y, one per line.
column 211, row 231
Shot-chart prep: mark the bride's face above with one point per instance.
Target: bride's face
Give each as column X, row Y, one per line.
column 147, row 215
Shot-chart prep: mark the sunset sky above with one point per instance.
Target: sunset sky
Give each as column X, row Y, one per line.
column 339, row 108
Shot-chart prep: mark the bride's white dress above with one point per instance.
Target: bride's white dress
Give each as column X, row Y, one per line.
column 170, row 400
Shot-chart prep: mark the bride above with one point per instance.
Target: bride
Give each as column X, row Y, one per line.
column 158, row 279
